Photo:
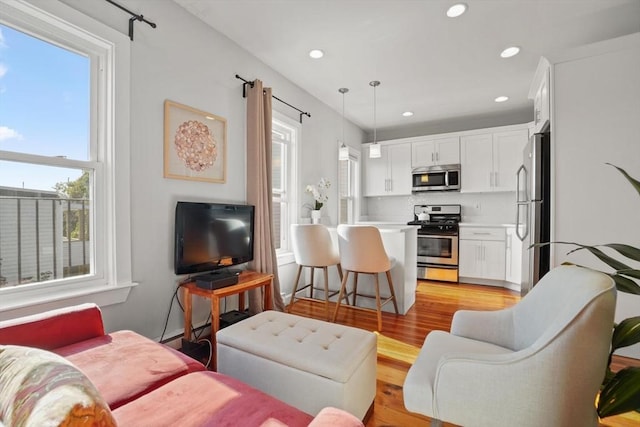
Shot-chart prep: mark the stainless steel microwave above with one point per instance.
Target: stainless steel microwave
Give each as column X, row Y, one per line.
column 436, row 178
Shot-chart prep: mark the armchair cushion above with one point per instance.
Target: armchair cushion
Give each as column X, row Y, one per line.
column 39, row 388
column 419, row 387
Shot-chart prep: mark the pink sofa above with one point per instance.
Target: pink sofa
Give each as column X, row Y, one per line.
column 147, row 383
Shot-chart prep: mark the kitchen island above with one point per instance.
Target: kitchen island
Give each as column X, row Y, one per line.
column 400, row 242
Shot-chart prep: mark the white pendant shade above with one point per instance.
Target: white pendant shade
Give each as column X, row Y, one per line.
column 374, row 151
column 343, row 153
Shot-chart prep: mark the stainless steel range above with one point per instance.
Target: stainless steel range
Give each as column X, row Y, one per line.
column 437, row 241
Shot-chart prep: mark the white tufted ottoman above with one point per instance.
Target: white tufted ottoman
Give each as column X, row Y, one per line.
column 305, row 362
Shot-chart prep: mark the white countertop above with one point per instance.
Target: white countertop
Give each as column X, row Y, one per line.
column 389, row 227
column 483, row 224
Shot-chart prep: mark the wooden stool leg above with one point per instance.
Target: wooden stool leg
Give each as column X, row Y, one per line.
column 295, row 288
column 313, row 269
column 393, row 294
column 342, row 288
column 346, row 294
column 378, row 305
column 355, row 288
column 326, row 291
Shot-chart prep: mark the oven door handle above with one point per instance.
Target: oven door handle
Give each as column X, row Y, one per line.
column 446, row 179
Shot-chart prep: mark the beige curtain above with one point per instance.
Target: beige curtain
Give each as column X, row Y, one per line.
column 259, row 191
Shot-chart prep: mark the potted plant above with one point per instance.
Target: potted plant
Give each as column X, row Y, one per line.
column 620, row 391
column 320, row 196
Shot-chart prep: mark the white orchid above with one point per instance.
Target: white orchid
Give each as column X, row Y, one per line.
column 319, row 192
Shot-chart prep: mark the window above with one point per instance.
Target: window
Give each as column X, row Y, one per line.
column 285, row 134
column 58, row 150
column 349, row 182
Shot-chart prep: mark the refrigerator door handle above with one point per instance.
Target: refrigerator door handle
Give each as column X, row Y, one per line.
column 523, row 169
column 525, row 223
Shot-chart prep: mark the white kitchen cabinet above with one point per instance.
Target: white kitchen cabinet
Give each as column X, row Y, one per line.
column 476, row 162
column 390, row 174
column 482, row 253
column 507, row 158
column 539, row 92
column 489, row 161
column 513, row 257
column 440, row 151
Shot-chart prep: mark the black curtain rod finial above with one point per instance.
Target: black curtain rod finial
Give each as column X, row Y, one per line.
column 134, row 17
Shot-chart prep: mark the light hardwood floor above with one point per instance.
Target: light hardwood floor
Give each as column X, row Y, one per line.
column 402, row 336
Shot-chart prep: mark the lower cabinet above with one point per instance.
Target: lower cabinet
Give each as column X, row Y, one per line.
column 482, row 253
column 513, row 259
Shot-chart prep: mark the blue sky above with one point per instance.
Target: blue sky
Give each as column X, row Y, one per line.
column 44, row 108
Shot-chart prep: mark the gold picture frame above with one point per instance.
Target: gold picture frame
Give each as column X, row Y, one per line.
column 195, row 144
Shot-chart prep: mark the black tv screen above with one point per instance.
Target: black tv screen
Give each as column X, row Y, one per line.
column 210, row 236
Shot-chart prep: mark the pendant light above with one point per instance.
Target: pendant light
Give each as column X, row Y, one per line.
column 343, row 152
column 374, row 149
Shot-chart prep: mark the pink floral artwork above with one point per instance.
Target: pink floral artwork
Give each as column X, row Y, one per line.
column 195, row 145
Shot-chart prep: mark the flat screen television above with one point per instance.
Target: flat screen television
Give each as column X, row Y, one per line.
column 211, row 236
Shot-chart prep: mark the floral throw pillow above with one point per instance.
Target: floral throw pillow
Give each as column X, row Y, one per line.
column 40, row 388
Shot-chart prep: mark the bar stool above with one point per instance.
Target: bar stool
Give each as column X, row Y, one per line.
column 362, row 251
column 313, row 248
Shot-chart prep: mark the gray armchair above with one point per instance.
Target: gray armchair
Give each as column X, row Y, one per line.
column 538, row 363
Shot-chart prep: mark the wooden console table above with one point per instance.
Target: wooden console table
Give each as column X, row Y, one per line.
column 246, row 281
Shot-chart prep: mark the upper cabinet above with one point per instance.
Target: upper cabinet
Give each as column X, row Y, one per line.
column 440, row 151
column 390, row 174
column 540, row 94
column 489, row 161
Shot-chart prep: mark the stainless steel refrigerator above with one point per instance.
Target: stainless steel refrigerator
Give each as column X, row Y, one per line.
column 533, row 215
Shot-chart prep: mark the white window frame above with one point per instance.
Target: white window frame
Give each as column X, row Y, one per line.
column 285, row 253
column 109, row 51
column 354, row 156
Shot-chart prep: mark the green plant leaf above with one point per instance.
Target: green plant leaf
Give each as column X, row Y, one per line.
column 621, row 394
column 625, row 250
column 625, row 285
column 611, row 262
column 634, row 182
column 630, row 272
column 626, row 333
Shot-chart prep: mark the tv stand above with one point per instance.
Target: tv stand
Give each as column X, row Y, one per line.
column 246, row 280
column 216, row 279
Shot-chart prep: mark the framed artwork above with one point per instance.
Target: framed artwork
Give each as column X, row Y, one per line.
column 195, row 144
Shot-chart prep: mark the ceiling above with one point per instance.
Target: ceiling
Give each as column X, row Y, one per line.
column 437, row 67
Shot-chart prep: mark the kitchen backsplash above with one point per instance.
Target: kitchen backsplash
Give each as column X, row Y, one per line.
column 490, row 208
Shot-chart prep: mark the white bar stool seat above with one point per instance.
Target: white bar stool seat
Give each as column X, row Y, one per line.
column 313, row 248
column 362, row 251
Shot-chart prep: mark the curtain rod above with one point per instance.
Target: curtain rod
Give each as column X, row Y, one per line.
column 134, row 17
column 250, row 83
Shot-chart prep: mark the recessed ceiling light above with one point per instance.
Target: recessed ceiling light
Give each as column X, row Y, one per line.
column 501, row 99
column 407, row 114
column 510, row 51
column 316, row 53
column 456, row 10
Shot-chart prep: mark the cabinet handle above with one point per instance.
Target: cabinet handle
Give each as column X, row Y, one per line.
column 484, row 233
column 437, row 156
column 432, row 157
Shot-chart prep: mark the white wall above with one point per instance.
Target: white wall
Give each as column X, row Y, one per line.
column 188, row 62
column 596, row 120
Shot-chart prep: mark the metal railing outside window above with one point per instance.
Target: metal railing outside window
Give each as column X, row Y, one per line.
column 43, row 239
